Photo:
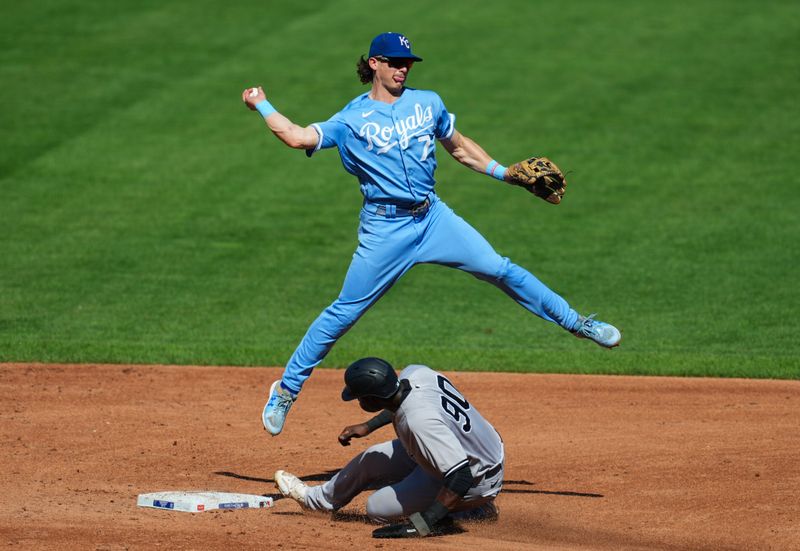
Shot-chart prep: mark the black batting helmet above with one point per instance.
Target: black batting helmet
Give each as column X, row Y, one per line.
column 370, row 377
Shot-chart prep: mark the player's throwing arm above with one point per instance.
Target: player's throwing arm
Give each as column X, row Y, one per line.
column 294, row 136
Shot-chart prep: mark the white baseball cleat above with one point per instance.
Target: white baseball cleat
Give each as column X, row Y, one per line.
column 291, row 486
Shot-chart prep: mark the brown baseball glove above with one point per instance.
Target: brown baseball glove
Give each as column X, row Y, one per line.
column 540, row 176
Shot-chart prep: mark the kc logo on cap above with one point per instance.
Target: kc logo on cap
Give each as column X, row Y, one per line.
column 392, row 45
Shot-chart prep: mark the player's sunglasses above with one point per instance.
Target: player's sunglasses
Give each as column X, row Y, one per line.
column 395, row 62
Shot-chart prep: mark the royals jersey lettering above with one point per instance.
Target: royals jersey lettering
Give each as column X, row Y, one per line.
column 390, row 148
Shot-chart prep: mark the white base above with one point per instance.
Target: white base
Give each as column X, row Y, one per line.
column 195, row 502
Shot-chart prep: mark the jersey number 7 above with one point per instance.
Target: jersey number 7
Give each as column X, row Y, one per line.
column 454, row 404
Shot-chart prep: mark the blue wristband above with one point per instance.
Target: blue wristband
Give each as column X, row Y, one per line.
column 496, row 170
column 265, row 108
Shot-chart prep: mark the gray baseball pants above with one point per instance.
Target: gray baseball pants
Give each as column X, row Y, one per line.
column 403, row 487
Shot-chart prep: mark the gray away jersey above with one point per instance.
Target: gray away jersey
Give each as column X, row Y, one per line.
column 440, row 430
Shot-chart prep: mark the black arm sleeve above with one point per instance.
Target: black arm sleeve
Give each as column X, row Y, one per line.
column 383, row 418
column 459, row 481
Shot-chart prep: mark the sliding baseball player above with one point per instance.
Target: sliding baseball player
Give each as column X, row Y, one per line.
column 446, row 458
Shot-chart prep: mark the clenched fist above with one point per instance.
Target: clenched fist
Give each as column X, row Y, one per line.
column 353, row 431
column 252, row 96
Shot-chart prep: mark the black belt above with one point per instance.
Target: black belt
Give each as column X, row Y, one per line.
column 392, row 211
column 493, row 471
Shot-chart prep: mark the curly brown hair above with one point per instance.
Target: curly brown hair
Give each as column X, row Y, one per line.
column 365, row 73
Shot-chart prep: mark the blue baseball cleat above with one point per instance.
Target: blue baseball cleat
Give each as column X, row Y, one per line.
column 600, row 332
column 274, row 415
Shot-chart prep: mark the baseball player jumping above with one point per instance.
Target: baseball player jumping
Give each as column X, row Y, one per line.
column 447, row 459
column 387, row 139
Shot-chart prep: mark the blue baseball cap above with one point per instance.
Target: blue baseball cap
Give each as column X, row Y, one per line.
column 392, row 45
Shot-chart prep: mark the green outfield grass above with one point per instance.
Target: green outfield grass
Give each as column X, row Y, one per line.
column 147, row 216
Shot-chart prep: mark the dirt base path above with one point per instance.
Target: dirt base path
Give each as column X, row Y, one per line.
column 592, row 462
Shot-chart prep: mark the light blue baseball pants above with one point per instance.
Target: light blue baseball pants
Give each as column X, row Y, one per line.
column 388, row 248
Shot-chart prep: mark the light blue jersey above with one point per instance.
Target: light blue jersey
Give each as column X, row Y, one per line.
column 390, row 148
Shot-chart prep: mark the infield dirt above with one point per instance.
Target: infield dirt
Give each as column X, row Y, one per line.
column 593, row 462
